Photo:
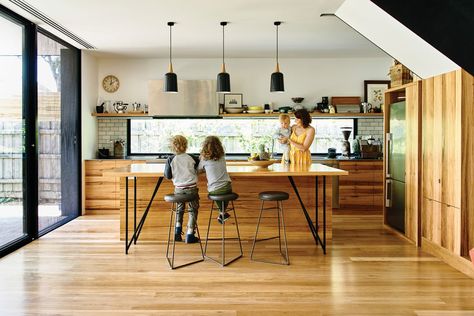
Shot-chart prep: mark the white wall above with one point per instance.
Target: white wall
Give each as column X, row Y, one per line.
column 89, row 73
column 308, row 78
column 395, row 38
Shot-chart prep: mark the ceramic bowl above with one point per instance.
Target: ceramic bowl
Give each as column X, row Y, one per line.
column 262, row 163
column 234, row 110
column 297, row 99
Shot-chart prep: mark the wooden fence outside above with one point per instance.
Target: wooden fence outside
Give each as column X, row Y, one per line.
column 49, row 153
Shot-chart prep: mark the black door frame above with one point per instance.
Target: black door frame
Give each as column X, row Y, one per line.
column 30, row 116
column 78, row 136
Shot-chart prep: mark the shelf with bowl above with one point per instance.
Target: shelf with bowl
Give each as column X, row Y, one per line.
column 313, row 114
column 127, row 114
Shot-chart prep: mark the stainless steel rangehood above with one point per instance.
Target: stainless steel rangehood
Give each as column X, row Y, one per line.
column 196, row 98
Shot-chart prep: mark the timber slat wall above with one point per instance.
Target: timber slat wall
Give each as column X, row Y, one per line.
column 447, row 210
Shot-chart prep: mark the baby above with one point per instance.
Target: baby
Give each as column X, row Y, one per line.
column 284, row 132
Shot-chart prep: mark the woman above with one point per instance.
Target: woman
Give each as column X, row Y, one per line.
column 301, row 138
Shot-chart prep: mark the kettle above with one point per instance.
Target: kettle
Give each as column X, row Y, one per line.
column 119, row 107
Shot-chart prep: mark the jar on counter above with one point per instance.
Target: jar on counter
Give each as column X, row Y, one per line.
column 119, row 149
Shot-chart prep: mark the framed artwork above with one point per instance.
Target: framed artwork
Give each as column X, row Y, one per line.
column 374, row 92
column 233, row 100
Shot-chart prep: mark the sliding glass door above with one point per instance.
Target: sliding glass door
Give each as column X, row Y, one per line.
column 57, row 134
column 12, row 133
column 39, row 131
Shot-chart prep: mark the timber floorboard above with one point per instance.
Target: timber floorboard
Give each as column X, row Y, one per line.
column 81, row 269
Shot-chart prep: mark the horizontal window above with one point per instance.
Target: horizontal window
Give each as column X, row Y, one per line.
column 239, row 136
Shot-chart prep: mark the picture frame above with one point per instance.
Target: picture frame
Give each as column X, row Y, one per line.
column 374, row 92
column 233, row 100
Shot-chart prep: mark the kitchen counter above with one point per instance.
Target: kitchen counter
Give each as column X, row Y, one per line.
column 247, row 181
column 154, row 158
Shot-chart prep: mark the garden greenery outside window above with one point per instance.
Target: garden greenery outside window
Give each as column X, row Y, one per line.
column 239, row 136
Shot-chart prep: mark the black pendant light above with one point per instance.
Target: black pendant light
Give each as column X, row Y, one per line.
column 223, row 78
column 276, row 83
column 171, row 80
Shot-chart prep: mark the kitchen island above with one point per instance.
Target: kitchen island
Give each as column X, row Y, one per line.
column 142, row 189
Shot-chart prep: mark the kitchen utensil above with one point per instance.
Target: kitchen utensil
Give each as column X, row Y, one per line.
column 284, row 109
column 234, row 110
column 100, row 108
column 120, row 107
column 136, row 106
column 346, row 146
column 297, row 99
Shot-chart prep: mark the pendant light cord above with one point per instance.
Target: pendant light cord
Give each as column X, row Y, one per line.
column 277, row 44
column 170, row 42
column 223, row 39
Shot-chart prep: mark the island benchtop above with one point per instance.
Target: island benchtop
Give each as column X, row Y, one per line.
column 234, row 169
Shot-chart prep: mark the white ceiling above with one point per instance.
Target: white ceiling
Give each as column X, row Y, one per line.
column 137, row 28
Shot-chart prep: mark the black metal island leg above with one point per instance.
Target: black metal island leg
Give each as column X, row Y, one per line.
column 314, row 226
column 137, row 228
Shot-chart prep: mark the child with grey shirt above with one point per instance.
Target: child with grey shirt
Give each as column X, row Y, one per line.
column 182, row 169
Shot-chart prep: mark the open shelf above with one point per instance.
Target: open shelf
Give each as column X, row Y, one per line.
column 319, row 115
column 243, row 115
column 140, row 114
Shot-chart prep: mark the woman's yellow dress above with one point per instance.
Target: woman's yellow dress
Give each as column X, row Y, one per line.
column 298, row 156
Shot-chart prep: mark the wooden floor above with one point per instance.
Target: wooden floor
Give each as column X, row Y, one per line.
column 80, row 269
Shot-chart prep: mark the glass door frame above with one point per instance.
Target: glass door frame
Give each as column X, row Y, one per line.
column 29, row 101
column 30, row 116
column 78, row 114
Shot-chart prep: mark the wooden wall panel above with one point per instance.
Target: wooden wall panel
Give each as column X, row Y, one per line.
column 428, row 138
column 247, row 206
column 447, row 161
column 450, row 188
column 413, row 162
column 466, row 98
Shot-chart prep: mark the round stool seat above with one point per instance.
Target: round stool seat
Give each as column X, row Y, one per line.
column 273, row 196
column 223, row 197
column 180, row 198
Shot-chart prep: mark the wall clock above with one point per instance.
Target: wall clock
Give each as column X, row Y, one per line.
column 110, row 83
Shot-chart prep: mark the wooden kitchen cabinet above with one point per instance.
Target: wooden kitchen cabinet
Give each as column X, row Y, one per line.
column 363, row 187
column 441, row 225
column 102, row 194
column 448, row 163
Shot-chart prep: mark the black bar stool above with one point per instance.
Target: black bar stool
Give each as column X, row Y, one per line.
column 175, row 199
column 228, row 199
column 278, row 197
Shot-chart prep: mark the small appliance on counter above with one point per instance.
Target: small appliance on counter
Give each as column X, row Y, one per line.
column 370, row 149
column 103, row 153
column 346, row 146
column 119, row 149
column 331, row 153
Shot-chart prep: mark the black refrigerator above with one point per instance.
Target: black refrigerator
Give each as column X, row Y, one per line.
column 395, row 177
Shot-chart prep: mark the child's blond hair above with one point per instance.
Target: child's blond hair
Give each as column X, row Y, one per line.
column 212, row 148
column 284, row 118
column 179, row 144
